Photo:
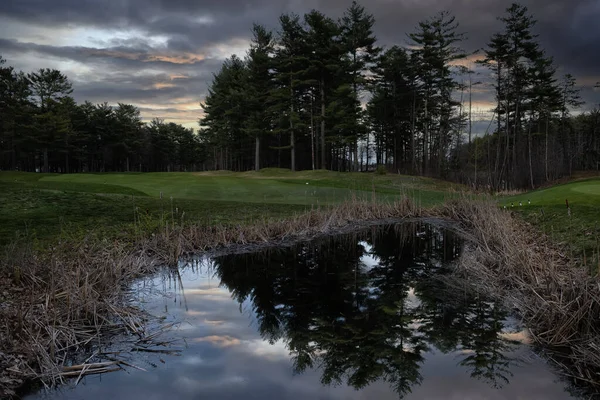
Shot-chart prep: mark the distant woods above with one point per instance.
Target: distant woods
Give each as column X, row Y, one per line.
column 320, row 93
column 43, row 129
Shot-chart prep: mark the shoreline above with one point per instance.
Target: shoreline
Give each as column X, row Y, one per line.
column 94, row 298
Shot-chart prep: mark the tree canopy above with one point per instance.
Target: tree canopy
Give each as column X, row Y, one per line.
column 320, row 93
column 43, row 129
column 332, row 99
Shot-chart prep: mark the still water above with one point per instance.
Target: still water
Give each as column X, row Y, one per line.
column 357, row 316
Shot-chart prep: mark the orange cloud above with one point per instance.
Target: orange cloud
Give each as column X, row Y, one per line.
column 178, row 76
column 184, row 58
column 522, row 337
column 214, row 322
column 163, row 85
column 219, row 341
column 181, row 58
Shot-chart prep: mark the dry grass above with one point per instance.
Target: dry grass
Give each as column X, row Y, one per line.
column 177, row 240
column 558, row 300
column 62, row 301
column 66, row 299
column 70, row 297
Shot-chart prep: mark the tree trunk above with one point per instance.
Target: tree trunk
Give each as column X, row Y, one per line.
column 499, row 124
column 396, row 152
column 367, row 154
column 355, row 72
column 413, row 121
column 426, row 142
column 323, row 159
column 547, row 176
column 530, row 163
column 470, row 108
column 45, row 168
column 312, row 133
column 507, row 151
column 356, row 155
column 516, row 123
column 257, row 154
column 293, row 149
column 279, row 151
column 475, row 182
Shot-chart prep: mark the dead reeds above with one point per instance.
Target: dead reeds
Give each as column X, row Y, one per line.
column 559, row 301
column 177, row 240
column 65, row 299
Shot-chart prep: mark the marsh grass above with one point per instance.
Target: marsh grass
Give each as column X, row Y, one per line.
column 68, row 298
column 63, row 300
column 511, row 261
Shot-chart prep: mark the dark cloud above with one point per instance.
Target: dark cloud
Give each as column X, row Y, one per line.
column 189, row 37
column 121, row 56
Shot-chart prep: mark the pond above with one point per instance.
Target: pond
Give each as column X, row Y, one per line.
column 356, row 316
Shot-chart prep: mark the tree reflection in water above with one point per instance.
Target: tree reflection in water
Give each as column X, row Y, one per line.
column 367, row 306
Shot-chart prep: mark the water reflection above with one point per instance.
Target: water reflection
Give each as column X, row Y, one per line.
column 365, row 311
column 368, row 306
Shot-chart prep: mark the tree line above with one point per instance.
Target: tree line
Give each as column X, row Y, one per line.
column 321, row 94
column 43, row 129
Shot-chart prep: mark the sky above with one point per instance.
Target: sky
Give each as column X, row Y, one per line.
column 160, row 55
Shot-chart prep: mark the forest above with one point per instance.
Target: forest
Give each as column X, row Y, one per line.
column 320, row 93
column 43, row 129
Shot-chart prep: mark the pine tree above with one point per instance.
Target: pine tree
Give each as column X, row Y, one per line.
column 225, row 115
column 496, row 59
column 359, row 43
column 544, row 100
column 514, row 54
column 436, row 49
column 15, row 112
column 323, row 40
column 290, row 87
column 570, row 99
column 391, row 107
column 48, row 87
column 523, row 50
column 127, row 141
column 259, row 88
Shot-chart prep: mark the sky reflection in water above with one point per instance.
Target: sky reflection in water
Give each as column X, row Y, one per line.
column 360, row 316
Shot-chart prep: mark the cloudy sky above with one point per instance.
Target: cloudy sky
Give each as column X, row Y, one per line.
column 160, row 54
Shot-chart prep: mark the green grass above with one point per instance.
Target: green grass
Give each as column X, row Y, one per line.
column 579, row 231
column 43, row 206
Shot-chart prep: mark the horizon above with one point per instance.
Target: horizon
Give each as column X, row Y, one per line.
column 161, row 57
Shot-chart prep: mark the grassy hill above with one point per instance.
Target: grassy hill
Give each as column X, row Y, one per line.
column 579, row 229
column 42, row 206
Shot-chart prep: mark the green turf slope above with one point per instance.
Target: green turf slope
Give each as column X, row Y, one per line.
column 43, row 206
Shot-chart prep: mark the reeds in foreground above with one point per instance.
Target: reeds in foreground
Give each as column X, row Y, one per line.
column 67, row 298
column 557, row 298
column 73, row 295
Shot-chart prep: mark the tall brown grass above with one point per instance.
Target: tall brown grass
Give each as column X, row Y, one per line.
column 70, row 296
column 511, row 261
